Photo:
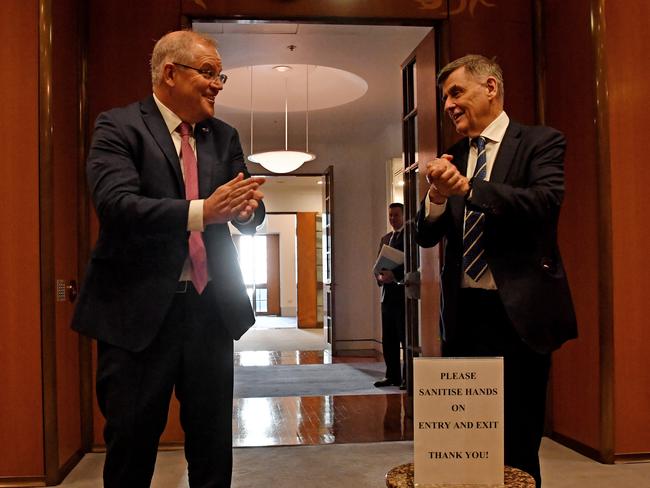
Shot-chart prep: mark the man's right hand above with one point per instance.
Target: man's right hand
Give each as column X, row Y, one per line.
column 231, row 199
column 445, row 180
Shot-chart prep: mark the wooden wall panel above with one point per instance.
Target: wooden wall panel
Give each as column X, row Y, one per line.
column 306, row 263
column 474, row 32
column 65, row 167
column 575, row 377
column 627, row 42
column 122, row 34
column 273, row 273
column 21, row 418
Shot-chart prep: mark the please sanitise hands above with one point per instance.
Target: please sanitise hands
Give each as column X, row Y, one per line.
column 444, row 179
column 239, row 198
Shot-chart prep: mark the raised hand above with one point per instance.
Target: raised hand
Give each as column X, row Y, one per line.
column 237, row 198
column 445, row 179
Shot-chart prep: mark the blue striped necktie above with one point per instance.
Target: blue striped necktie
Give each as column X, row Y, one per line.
column 474, row 263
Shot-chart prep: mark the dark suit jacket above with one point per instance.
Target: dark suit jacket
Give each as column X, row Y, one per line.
column 521, row 203
column 137, row 187
column 392, row 292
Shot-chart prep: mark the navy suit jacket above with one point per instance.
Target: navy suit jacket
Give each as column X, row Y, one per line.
column 136, row 183
column 521, row 203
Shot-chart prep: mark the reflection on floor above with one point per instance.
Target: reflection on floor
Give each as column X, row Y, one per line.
column 313, row 420
column 292, row 421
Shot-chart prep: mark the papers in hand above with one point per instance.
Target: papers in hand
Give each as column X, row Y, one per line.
column 389, row 258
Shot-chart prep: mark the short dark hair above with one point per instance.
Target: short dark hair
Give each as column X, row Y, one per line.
column 397, row 205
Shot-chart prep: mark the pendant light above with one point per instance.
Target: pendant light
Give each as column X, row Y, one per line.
column 283, row 161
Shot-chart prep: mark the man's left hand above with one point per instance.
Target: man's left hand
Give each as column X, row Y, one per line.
column 386, row 276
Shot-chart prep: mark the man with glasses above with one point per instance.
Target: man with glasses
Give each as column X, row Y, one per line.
column 163, row 294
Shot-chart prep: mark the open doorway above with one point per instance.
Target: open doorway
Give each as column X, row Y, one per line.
column 282, row 265
column 356, row 138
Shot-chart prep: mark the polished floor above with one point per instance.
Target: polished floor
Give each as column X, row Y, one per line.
column 313, row 420
column 347, row 441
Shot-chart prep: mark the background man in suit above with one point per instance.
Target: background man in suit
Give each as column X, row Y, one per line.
column 163, row 294
column 494, row 201
column 393, row 326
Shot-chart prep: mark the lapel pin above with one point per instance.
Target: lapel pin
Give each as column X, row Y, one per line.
column 205, row 130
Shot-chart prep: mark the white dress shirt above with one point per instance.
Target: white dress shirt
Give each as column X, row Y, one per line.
column 195, row 214
column 493, row 134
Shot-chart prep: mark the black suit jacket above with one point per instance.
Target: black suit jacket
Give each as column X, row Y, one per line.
column 392, row 292
column 521, row 203
column 137, row 187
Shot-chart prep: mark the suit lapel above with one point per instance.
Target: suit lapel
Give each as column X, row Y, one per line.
column 506, row 155
column 156, row 125
column 206, row 156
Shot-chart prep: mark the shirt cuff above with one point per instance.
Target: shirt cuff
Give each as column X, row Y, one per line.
column 432, row 211
column 195, row 216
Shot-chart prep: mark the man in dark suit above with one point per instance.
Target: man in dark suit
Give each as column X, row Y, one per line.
column 393, row 325
column 494, row 201
column 163, row 294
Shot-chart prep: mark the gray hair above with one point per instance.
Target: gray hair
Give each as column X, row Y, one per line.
column 175, row 47
column 476, row 65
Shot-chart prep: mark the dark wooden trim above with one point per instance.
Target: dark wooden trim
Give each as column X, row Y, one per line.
column 20, row 481
column 46, row 224
column 577, row 446
column 83, row 221
column 605, row 285
column 69, row 465
column 637, row 457
column 540, row 61
column 187, row 19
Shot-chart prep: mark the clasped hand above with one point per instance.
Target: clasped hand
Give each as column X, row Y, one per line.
column 444, row 179
column 236, row 199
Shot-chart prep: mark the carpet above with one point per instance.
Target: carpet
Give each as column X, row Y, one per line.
column 282, row 340
column 310, row 380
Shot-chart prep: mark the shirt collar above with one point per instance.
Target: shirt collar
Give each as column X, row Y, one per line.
column 497, row 128
column 172, row 121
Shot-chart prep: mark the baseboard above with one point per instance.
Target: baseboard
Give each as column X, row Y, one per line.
column 578, row 446
column 21, row 481
column 636, row 457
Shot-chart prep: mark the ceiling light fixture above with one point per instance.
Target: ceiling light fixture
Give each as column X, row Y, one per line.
column 283, row 161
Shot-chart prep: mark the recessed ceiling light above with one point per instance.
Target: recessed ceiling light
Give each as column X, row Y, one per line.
column 282, row 68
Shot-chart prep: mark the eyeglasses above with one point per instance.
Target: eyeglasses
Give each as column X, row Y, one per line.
column 208, row 74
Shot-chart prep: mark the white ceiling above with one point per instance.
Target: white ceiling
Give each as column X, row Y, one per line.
column 373, row 53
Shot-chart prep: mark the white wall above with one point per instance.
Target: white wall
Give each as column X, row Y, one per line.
column 285, row 226
column 279, row 198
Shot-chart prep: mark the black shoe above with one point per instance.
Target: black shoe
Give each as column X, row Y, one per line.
column 402, row 385
column 385, row 382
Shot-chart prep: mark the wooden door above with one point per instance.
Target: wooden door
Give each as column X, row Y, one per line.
column 328, row 249
column 420, row 142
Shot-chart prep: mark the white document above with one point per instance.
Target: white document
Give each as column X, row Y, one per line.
column 389, row 258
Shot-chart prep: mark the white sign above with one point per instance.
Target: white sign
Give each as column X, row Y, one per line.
column 458, row 421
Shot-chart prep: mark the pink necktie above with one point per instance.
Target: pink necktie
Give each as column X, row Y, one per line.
column 198, row 256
